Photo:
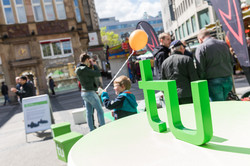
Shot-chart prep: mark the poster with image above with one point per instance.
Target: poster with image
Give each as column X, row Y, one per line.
column 37, row 115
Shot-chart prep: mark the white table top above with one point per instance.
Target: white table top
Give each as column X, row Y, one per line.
column 131, row 141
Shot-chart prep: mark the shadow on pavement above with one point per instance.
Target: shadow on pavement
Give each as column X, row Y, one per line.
column 7, row 112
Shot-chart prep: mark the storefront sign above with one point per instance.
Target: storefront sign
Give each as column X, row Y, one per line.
column 93, row 39
column 36, row 113
column 204, row 131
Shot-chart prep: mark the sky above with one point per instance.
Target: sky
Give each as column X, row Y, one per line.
column 126, row 10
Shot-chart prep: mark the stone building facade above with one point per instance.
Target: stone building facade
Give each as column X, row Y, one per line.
column 41, row 38
column 95, row 47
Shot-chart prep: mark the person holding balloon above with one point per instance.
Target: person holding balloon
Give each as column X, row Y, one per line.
column 125, row 103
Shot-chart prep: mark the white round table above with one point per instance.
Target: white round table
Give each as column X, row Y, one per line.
column 132, row 142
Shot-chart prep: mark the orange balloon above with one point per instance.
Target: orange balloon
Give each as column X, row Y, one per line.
column 138, row 39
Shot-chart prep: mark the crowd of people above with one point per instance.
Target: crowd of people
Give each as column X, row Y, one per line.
column 24, row 88
column 124, row 105
column 212, row 62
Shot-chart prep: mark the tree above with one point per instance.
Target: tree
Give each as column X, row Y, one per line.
column 109, row 37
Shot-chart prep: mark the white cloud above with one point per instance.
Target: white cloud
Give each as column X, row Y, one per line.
column 125, row 10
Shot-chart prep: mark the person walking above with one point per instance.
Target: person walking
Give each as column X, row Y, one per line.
column 52, row 85
column 86, row 76
column 161, row 52
column 215, row 64
column 180, row 68
column 4, row 90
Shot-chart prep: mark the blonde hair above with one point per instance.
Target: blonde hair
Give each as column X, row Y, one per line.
column 163, row 35
column 123, row 80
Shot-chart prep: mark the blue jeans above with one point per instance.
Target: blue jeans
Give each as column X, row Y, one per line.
column 6, row 98
column 219, row 88
column 92, row 101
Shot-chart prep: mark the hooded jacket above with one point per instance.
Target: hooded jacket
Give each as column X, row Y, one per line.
column 160, row 53
column 86, row 76
column 125, row 101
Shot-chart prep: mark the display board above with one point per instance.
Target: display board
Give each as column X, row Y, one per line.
column 37, row 115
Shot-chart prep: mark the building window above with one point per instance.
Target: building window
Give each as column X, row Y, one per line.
column 60, row 9
column 49, row 11
column 203, row 18
column 180, row 32
column 184, row 30
column 8, row 12
column 77, row 11
column 20, row 10
column 55, row 48
column 176, row 34
column 193, row 23
column 189, row 31
column 46, row 50
column 66, row 47
column 182, row 8
column 38, row 13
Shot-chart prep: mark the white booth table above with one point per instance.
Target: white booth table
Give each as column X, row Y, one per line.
column 132, row 142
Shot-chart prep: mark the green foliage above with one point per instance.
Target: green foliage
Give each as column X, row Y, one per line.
column 109, row 38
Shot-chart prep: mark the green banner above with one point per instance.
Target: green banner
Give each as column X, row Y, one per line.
column 35, row 104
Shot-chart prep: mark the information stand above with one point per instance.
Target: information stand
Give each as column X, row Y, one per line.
column 37, row 113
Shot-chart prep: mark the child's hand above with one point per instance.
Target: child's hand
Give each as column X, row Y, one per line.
column 99, row 91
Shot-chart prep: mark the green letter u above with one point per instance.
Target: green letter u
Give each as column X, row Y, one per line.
column 204, row 129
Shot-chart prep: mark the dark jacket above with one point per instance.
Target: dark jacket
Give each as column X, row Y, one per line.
column 213, row 59
column 86, row 76
column 125, row 101
column 188, row 53
column 27, row 90
column 4, row 89
column 160, row 53
column 51, row 83
column 180, row 68
column 18, row 86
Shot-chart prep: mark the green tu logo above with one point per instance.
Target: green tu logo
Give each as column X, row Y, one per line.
column 204, row 129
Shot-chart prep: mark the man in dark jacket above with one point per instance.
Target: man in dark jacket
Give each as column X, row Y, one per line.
column 162, row 51
column 247, row 69
column 86, row 76
column 215, row 64
column 180, row 68
column 26, row 89
column 51, row 85
column 4, row 90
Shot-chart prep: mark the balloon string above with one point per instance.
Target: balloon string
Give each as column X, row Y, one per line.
column 119, row 70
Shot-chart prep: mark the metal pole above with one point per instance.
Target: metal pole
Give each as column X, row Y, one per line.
column 119, row 70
